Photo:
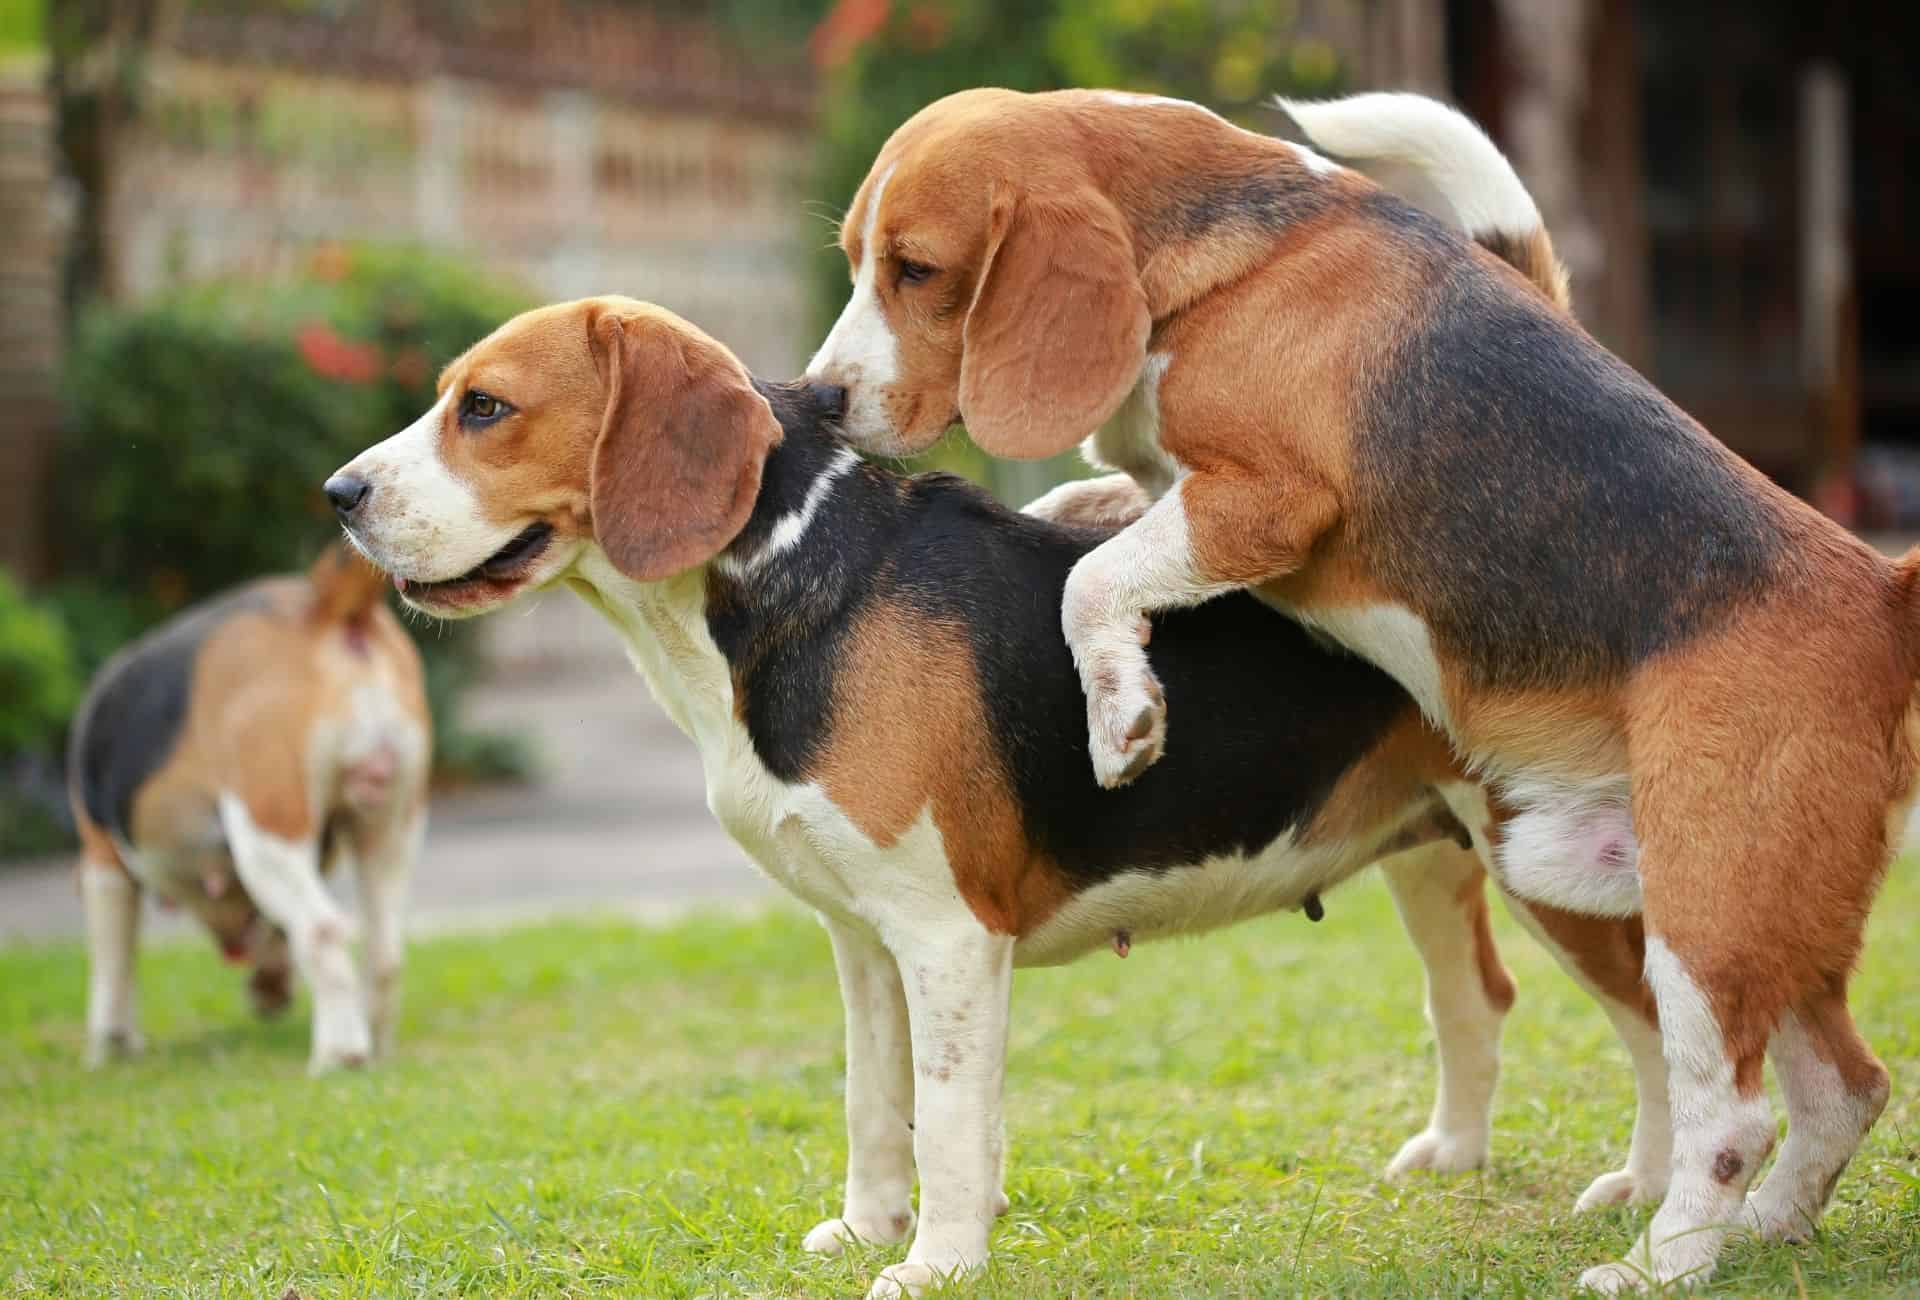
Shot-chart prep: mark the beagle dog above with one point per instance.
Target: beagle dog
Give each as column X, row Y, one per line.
column 891, row 725
column 226, row 761
column 1691, row 696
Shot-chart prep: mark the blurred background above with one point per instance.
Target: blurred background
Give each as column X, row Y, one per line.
column 237, row 241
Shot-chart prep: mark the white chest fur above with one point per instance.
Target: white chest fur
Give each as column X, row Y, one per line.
column 792, row 831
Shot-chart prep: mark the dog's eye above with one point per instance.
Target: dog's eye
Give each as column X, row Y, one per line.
column 481, row 408
column 915, row 272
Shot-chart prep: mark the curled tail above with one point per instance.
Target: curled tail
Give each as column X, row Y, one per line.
column 1437, row 159
column 345, row 587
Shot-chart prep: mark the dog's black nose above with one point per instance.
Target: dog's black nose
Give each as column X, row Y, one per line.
column 830, row 398
column 346, row 491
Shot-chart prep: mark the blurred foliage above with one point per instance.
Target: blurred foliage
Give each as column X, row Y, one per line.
column 1232, row 55
column 201, row 422
column 23, row 26
column 40, row 685
column 38, row 677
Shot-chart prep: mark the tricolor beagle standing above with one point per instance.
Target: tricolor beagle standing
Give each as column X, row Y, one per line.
column 891, row 725
column 226, row 761
column 1691, row 695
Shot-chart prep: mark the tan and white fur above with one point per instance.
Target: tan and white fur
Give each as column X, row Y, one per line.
column 225, row 764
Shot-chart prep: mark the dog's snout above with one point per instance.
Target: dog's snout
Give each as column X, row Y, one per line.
column 347, row 492
column 830, row 398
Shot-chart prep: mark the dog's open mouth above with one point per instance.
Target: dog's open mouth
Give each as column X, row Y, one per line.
column 505, row 568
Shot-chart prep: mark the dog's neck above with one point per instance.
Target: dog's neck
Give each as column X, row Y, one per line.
column 817, row 525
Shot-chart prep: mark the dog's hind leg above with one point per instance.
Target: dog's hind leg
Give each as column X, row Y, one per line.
column 1440, row 891
column 282, row 876
column 384, row 856
column 1835, row 1088
column 112, row 901
column 1605, row 956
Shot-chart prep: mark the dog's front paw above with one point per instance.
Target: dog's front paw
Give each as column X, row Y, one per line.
column 918, row 1276
column 1778, row 1218
column 340, row 1042
column 1621, row 1187
column 114, row 1045
column 1441, row 1152
column 1613, row 1279
column 832, row 1236
column 1126, row 716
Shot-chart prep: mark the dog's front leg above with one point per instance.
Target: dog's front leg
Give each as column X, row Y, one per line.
column 957, row 986
column 282, row 876
column 1214, row 533
column 879, row 1199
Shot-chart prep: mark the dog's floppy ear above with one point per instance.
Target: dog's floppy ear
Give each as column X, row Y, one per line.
column 1058, row 329
column 677, row 466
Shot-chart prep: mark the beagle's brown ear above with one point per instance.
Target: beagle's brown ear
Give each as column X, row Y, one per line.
column 677, row 466
column 1058, row 329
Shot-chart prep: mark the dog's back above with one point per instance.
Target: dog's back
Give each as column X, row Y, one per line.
column 257, row 687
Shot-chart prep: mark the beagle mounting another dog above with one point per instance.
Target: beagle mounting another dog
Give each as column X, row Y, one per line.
column 226, row 761
column 1691, row 696
column 892, row 727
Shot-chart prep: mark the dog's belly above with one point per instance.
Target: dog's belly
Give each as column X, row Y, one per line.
column 1144, row 905
column 1568, row 843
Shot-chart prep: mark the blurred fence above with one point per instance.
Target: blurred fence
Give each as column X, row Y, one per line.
column 30, row 232
column 579, row 153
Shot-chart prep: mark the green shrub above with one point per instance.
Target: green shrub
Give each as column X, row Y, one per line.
column 39, row 687
column 39, row 684
column 201, row 423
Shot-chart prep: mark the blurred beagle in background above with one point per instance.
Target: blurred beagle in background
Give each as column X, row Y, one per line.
column 227, row 761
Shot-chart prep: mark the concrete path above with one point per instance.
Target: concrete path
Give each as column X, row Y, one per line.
column 618, row 821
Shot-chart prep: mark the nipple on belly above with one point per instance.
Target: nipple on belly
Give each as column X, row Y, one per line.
column 1122, row 943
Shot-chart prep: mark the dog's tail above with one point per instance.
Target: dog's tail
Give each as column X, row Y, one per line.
column 1437, row 159
column 345, row 587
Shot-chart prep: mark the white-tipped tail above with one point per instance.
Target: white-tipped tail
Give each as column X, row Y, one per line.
column 1442, row 146
column 1436, row 158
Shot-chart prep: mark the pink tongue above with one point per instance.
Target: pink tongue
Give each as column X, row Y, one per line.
column 399, row 583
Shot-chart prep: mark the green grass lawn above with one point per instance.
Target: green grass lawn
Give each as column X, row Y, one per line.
column 603, row 1109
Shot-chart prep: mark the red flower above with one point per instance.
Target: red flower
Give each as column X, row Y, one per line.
column 847, row 26
column 331, row 356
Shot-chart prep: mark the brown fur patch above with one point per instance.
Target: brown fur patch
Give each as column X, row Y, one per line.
column 1394, row 780
column 1495, row 980
column 883, row 774
column 1766, row 758
column 1610, row 954
column 249, row 732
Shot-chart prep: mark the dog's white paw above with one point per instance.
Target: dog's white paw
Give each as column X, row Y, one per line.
column 340, row 1042
column 1778, row 1218
column 1126, row 715
column 831, row 1236
column 916, row 1277
column 1613, row 1279
column 1621, row 1187
column 1440, row 1152
column 114, row 1045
